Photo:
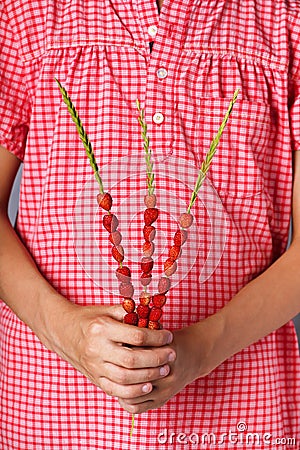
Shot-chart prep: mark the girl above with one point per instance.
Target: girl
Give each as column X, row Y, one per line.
column 225, row 367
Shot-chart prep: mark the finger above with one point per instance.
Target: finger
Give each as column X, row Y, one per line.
column 126, row 376
column 116, row 312
column 136, row 408
column 129, row 391
column 140, row 358
column 143, row 337
column 134, row 336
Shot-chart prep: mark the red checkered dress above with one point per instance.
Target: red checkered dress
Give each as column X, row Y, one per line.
column 202, row 52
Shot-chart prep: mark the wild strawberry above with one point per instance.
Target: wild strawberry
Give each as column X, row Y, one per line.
column 186, row 220
column 150, row 200
column 175, row 252
column 155, row 314
column 115, row 237
column 142, row 323
column 146, row 278
column 128, row 305
column 123, row 274
column 170, row 267
column 153, row 325
column 105, row 201
column 148, row 248
column 143, row 311
column 159, row 300
column 164, row 285
column 149, row 232
column 145, row 298
column 126, row 290
column 150, row 215
column 131, row 318
column 110, row 222
column 118, row 253
column 180, row 237
column 147, row 264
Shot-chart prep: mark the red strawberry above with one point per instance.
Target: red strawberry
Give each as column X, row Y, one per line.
column 170, row 267
column 143, row 311
column 115, row 237
column 145, row 298
column 143, row 323
column 186, row 220
column 164, row 285
column 126, row 290
column 110, row 222
column 105, row 201
column 123, row 274
column 149, row 233
column 153, row 325
column 146, row 278
column 128, row 305
column 118, row 253
column 155, row 314
column 159, row 300
column 148, row 248
column 180, row 237
column 150, row 215
column 175, row 252
column 147, row 264
column 150, row 200
column 131, row 318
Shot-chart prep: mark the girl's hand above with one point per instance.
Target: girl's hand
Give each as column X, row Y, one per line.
column 190, row 364
column 120, row 359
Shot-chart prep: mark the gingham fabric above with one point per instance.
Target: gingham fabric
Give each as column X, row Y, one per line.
column 202, row 52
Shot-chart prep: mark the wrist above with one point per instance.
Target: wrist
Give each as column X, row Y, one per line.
column 52, row 318
column 209, row 337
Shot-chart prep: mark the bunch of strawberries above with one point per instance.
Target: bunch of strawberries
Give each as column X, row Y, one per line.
column 149, row 311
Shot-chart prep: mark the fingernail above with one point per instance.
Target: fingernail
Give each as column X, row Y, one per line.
column 146, row 388
column 164, row 370
column 170, row 338
column 172, row 357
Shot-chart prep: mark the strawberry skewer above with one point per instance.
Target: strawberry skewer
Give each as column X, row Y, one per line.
column 110, row 221
column 186, row 219
column 151, row 214
column 123, row 273
column 149, row 311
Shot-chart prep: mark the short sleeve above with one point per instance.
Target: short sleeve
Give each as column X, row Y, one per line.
column 294, row 78
column 14, row 99
column 295, row 113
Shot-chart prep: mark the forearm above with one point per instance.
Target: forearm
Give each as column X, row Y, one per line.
column 262, row 306
column 22, row 287
column 86, row 337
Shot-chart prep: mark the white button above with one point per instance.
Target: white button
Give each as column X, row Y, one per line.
column 158, row 118
column 162, row 73
column 152, row 31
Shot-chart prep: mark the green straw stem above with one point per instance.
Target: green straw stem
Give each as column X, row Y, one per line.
column 132, row 425
column 82, row 134
column 146, row 145
column 210, row 154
